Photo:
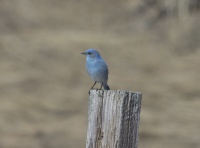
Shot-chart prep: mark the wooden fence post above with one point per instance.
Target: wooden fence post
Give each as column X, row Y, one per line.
column 113, row 119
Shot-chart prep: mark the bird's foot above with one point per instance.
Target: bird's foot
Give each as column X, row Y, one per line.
column 91, row 89
column 94, row 89
column 97, row 89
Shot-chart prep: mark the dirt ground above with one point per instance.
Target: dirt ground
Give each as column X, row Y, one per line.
column 44, row 84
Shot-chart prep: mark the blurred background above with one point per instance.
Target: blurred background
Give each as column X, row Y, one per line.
column 150, row 46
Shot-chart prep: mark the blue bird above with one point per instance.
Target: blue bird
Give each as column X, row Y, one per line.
column 96, row 68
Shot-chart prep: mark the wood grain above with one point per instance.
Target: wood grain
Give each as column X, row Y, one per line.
column 113, row 119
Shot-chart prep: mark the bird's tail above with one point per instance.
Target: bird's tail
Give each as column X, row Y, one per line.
column 106, row 87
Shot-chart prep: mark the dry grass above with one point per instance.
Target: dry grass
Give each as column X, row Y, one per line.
column 44, row 84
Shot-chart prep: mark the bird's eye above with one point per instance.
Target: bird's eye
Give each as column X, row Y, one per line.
column 89, row 52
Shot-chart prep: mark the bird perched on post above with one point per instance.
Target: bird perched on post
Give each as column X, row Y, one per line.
column 96, row 68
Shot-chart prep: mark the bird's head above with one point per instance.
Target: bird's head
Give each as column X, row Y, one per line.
column 91, row 53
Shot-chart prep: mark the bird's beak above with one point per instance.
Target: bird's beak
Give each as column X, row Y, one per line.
column 83, row 53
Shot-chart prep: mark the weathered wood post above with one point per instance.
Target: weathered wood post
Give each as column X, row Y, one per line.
column 113, row 119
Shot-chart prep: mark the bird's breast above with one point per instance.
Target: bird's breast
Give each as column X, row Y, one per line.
column 98, row 71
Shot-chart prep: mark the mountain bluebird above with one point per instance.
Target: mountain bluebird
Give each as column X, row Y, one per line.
column 96, row 68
